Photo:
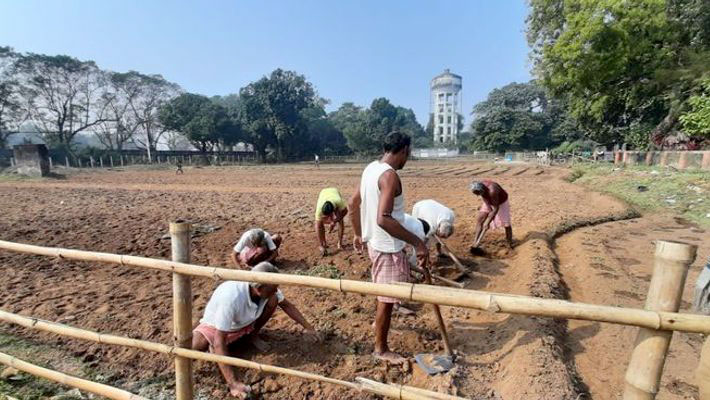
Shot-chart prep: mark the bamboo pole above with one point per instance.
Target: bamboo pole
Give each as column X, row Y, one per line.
column 182, row 308
column 702, row 374
column 68, row 380
column 66, row 161
column 51, row 164
column 401, row 391
column 643, row 375
column 480, row 300
column 77, row 333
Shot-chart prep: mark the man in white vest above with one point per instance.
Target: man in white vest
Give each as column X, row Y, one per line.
column 377, row 215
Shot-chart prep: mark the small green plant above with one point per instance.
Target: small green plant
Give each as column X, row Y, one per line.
column 324, row 271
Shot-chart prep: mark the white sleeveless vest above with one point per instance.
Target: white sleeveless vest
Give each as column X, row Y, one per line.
column 375, row 236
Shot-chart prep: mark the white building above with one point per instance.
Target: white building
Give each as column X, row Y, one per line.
column 446, row 106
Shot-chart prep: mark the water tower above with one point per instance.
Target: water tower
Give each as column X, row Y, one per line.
column 445, row 107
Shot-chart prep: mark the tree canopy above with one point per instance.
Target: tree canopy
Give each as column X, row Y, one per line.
column 625, row 70
column 519, row 116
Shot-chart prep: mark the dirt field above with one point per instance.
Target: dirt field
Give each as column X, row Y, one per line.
column 501, row 356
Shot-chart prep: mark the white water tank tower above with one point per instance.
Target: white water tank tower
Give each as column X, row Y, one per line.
column 446, row 106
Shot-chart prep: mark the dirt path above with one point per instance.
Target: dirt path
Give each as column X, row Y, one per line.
column 127, row 212
column 612, row 264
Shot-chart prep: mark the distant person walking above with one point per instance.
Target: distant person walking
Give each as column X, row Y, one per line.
column 377, row 215
column 317, row 161
column 494, row 212
column 330, row 209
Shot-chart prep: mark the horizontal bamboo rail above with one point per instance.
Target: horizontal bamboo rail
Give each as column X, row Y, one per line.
column 68, row 380
column 493, row 302
column 78, row 333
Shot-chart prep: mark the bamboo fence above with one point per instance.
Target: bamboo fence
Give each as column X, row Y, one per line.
column 493, row 302
column 68, row 380
column 364, row 385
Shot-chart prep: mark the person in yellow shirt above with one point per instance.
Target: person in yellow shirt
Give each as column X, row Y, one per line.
column 330, row 209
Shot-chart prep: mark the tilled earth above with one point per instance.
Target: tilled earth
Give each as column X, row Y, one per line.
column 127, row 211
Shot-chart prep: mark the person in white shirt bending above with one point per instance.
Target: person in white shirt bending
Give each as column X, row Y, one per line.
column 439, row 217
column 377, row 214
column 240, row 309
column 255, row 245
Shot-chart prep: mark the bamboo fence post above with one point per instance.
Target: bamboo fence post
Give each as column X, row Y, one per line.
column 12, row 161
column 643, row 375
column 51, row 165
column 66, row 161
column 111, row 159
column 101, row 161
column 180, row 232
column 702, row 374
column 91, row 161
column 68, row 380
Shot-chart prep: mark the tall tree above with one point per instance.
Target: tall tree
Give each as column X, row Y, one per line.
column 144, row 108
column 11, row 115
column 624, row 69
column 365, row 128
column 61, row 96
column 272, row 109
column 518, row 116
column 202, row 122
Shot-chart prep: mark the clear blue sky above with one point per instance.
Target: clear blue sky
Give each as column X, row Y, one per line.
column 350, row 50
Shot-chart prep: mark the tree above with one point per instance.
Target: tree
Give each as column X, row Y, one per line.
column 365, row 128
column 11, row 115
column 61, row 96
column 203, row 122
column 518, row 116
column 623, row 69
column 271, row 112
column 153, row 92
column 696, row 121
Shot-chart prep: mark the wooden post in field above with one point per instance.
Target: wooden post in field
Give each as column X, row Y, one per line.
column 111, row 159
column 91, row 161
column 12, row 161
column 80, row 163
column 101, row 161
column 643, row 375
column 51, row 164
column 182, row 308
column 121, row 156
column 66, row 161
column 702, row 374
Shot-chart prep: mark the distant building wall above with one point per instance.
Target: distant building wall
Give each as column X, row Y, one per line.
column 676, row 159
column 31, row 159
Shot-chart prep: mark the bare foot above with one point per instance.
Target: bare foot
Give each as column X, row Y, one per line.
column 390, row 357
column 240, row 390
column 260, row 345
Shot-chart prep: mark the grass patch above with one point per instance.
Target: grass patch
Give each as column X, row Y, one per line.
column 686, row 193
column 26, row 386
column 324, row 271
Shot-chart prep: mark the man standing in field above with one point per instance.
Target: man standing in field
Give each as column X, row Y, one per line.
column 330, row 209
column 377, row 215
column 495, row 210
column 255, row 245
column 439, row 217
column 240, row 309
